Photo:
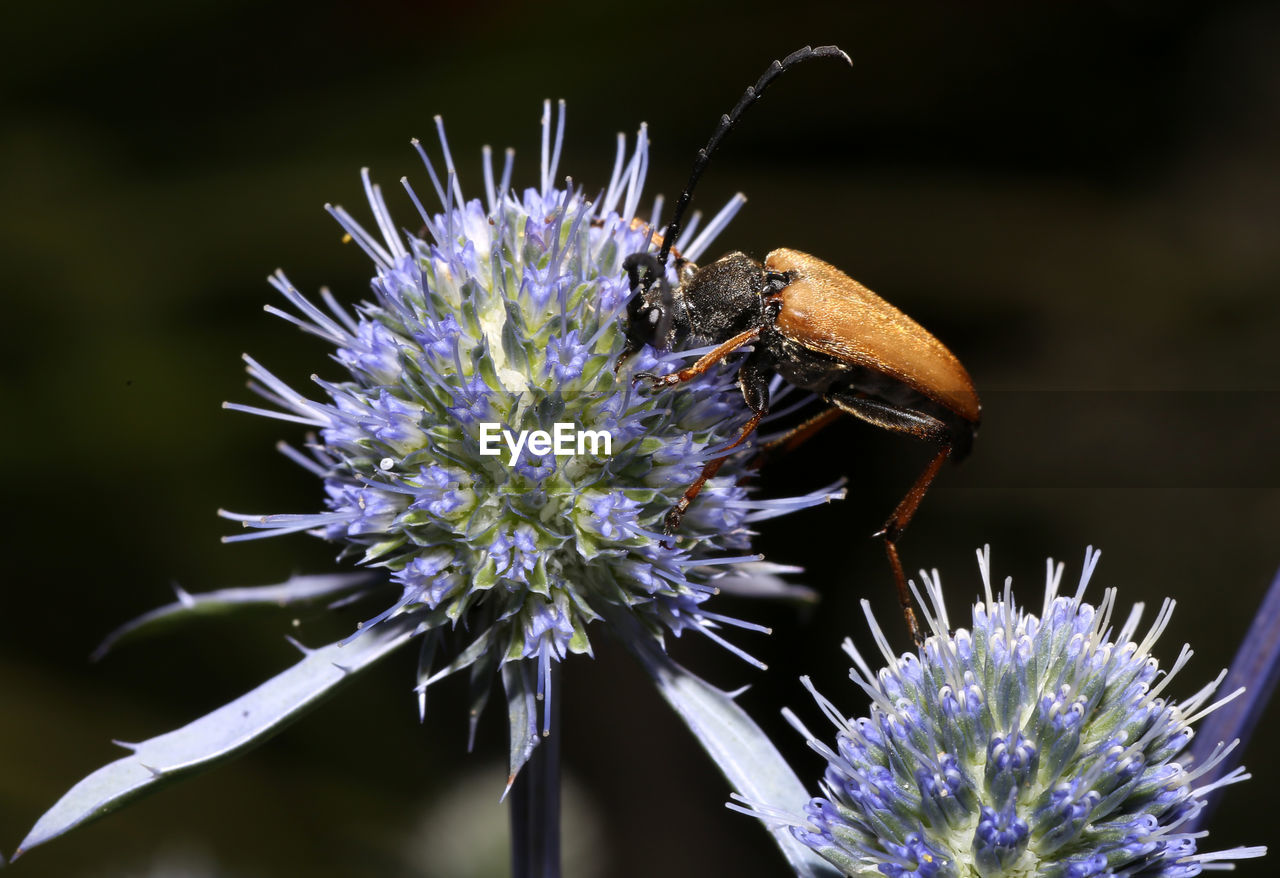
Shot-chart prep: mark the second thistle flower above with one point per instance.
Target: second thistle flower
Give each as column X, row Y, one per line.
column 1026, row 745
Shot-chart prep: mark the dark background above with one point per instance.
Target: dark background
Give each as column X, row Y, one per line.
column 1079, row 199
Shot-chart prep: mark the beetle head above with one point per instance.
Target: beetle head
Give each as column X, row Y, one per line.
column 655, row 313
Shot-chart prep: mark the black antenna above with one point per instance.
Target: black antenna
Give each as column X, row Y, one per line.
column 727, row 122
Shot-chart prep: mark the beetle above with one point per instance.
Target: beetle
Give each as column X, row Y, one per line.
column 818, row 328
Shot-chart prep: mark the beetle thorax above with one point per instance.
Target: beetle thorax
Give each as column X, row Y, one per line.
column 722, row 299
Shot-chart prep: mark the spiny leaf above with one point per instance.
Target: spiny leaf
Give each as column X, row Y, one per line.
column 521, row 716
column 739, row 747
column 230, row 729
column 296, row 589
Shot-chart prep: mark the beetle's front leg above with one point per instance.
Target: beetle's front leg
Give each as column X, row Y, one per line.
column 742, row 339
column 753, row 379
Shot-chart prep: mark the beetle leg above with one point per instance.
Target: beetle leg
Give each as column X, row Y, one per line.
column 753, row 379
column 922, row 426
column 894, row 527
column 704, row 363
column 894, row 418
column 671, row 523
column 795, row 437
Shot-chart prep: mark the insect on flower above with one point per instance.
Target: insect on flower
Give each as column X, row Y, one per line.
column 815, row 326
column 503, row 316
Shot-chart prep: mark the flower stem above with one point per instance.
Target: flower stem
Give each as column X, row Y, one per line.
column 535, row 801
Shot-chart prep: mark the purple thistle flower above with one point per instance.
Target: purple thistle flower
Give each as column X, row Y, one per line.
column 506, row 313
column 1023, row 746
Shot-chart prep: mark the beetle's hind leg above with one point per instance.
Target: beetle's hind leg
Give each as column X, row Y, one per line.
column 893, row 529
column 922, row 426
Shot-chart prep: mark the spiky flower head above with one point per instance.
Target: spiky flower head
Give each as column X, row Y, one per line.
column 503, row 318
column 1026, row 745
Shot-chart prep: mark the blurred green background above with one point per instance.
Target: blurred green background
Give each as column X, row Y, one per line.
column 1081, row 199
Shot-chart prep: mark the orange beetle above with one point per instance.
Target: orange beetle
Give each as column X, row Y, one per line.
column 815, row 326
